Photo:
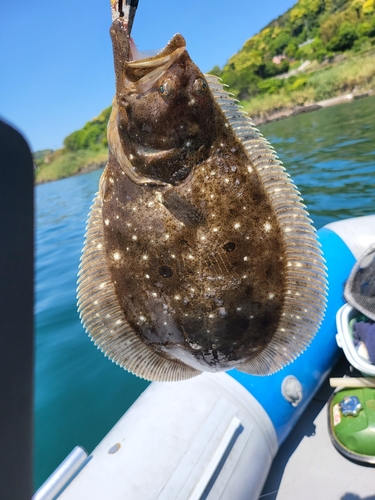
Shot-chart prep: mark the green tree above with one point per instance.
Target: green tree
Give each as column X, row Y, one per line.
column 216, row 71
column 345, row 38
column 291, row 49
column 280, row 42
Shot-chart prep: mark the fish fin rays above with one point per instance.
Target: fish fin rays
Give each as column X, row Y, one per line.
column 305, row 269
column 105, row 321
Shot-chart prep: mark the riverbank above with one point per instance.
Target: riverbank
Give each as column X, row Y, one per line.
column 91, row 167
column 296, row 110
column 60, row 165
column 349, row 76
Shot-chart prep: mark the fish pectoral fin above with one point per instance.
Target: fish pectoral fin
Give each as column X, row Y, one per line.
column 104, row 319
column 182, row 209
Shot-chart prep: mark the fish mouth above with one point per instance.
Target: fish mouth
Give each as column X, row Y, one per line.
column 161, row 57
column 147, row 71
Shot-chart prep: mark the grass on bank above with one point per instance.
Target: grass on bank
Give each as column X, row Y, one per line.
column 353, row 74
column 68, row 164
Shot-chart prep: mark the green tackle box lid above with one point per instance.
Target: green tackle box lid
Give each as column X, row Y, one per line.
column 352, row 423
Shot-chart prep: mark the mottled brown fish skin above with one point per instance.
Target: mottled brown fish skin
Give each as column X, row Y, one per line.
column 199, row 254
column 209, row 291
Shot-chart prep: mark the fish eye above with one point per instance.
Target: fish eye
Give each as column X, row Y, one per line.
column 166, row 89
column 200, row 85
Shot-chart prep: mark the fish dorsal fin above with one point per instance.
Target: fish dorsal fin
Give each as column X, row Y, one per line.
column 305, row 269
column 105, row 321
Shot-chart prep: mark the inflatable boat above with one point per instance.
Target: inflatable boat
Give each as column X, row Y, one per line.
column 214, row 436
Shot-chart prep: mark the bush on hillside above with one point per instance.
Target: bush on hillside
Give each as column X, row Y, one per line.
column 92, row 136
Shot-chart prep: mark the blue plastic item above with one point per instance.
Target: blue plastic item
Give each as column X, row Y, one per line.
column 313, row 366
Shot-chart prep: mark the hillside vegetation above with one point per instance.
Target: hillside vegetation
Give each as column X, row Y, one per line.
column 312, row 30
column 332, row 40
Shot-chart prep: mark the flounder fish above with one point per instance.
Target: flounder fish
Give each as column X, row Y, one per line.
column 199, row 255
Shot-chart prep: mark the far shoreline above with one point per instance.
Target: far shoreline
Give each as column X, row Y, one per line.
column 296, row 110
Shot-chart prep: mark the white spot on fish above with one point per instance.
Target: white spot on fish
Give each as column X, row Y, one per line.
column 237, row 225
column 145, row 256
column 134, row 237
column 116, row 255
column 99, row 246
column 271, row 296
column 246, row 258
column 267, row 227
column 106, row 222
column 250, row 169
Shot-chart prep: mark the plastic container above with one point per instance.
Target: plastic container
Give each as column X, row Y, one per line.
column 344, row 340
column 352, row 424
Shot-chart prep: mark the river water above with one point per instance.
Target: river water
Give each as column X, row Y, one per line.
column 79, row 394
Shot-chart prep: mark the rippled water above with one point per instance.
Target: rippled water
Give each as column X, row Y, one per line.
column 330, row 156
column 80, row 394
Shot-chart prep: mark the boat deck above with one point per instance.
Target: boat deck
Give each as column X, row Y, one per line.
column 308, row 466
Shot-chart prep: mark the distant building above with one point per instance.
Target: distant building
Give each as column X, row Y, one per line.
column 278, row 59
